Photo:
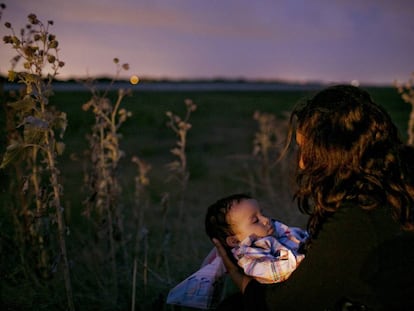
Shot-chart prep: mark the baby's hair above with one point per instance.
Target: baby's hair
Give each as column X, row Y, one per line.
column 216, row 224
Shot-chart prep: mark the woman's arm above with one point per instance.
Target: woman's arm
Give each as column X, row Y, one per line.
column 239, row 278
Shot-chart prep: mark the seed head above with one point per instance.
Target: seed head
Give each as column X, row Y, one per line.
column 7, row 39
column 53, row 44
column 51, row 59
column 33, row 19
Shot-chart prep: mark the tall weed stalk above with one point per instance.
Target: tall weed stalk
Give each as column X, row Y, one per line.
column 102, row 204
column 267, row 146
column 141, row 202
column 36, row 143
column 179, row 167
column 407, row 94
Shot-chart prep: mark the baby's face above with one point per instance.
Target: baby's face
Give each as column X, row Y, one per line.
column 246, row 219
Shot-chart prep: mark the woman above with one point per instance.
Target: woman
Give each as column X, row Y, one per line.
column 355, row 180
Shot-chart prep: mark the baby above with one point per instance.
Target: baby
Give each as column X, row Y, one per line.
column 265, row 249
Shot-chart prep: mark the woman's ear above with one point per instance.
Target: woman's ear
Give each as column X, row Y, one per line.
column 232, row 241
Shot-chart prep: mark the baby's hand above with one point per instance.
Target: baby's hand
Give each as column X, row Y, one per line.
column 282, row 254
column 294, row 239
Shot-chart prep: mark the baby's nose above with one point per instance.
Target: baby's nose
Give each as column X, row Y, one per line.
column 265, row 220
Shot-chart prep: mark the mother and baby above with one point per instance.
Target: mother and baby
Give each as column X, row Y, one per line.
column 355, row 180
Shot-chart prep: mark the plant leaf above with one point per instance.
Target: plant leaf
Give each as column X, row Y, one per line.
column 13, row 151
column 33, row 135
column 60, row 147
column 27, row 103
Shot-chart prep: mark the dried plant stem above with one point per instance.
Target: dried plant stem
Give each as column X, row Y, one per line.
column 38, row 49
column 141, row 181
column 267, row 146
column 145, row 272
column 166, row 251
column 112, row 252
column 179, row 168
column 134, row 283
column 411, row 126
column 102, row 202
column 59, row 215
column 407, row 94
column 35, row 180
column 36, row 234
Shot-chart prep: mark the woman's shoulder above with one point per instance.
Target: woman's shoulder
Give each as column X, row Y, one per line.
column 379, row 216
column 351, row 224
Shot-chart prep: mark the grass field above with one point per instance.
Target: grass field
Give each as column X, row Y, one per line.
column 168, row 247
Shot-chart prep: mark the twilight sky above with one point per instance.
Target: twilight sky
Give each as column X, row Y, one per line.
column 316, row 40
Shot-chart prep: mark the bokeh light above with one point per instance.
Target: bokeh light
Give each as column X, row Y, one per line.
column 134, row 79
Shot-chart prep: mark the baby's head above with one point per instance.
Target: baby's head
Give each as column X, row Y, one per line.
column 236, row 217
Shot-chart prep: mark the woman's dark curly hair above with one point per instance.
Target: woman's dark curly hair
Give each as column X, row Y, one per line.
column 352, row 151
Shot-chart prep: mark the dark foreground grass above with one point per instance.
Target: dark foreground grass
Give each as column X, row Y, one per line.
column 167, row 248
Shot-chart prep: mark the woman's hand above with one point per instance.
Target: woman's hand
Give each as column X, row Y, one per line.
column 239, row 278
